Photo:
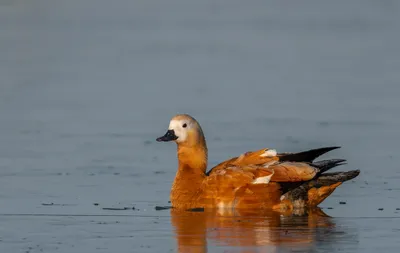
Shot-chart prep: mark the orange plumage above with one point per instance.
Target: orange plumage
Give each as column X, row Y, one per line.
column 259, row 179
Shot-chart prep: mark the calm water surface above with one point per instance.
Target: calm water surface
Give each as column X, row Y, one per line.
column 86, row 87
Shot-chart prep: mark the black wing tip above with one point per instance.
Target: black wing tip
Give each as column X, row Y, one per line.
column 326, row 149
column 326, row 165
column 306, row 156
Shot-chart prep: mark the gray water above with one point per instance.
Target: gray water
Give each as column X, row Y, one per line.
column 87, row 85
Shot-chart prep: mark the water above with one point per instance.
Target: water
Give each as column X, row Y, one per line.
column 87, row 86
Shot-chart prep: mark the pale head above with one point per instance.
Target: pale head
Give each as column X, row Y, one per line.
column 183, row 129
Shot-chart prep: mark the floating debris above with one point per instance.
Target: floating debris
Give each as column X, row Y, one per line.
column 159, row 172
column 330, row 207
column 52, row 204
column 147, row 142
column 159, row 208
column 342, row 202
column 398, row 208
column 118, row 208
column 380, row 209
column 96, row 204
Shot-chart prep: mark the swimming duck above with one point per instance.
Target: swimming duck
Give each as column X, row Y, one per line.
column 263, row 179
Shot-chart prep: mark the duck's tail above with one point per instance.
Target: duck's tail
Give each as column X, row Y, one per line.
column 313, row 192
column 319, row 189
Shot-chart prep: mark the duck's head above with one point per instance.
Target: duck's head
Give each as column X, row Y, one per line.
column 184, row 130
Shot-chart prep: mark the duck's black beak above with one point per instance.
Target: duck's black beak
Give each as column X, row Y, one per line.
column 169, row 136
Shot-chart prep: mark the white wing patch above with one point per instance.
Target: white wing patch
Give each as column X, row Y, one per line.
column 267, row 164
column 269, row 153
column 263, row 180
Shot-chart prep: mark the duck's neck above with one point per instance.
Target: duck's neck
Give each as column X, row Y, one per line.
column 192, row 165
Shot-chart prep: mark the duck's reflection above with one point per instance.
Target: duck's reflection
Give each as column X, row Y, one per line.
column 248, row 229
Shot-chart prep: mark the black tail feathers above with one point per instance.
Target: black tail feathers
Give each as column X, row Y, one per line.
column 305, row 156
column 323, row 186
column 334, row 177
column 327, row 164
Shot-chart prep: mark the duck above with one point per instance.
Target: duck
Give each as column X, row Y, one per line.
column 260, row 179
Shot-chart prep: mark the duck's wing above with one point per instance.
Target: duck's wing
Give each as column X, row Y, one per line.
column 263, row 174
column 240, row 186
column 236, row 176
column 266, row 157
column 255, row 179
column 251, row 186
column 253, row 158
column 293, row 172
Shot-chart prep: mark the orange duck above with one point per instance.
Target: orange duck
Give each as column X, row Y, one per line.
column 262, row 179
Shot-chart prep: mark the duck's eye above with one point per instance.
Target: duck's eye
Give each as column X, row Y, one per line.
column 184, row 125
